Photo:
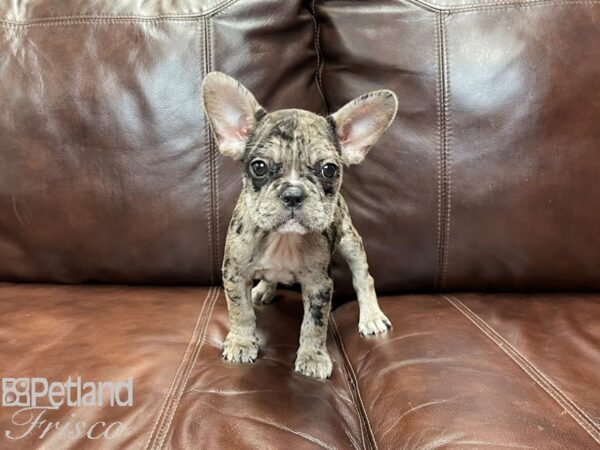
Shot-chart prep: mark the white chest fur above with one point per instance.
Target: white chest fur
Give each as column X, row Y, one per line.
column 282, row 257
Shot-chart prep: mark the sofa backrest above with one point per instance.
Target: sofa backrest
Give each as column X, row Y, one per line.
column 488, row 178
column 108, row 171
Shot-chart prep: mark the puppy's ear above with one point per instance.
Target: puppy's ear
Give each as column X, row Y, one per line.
column 232, row 111
column 360, row 123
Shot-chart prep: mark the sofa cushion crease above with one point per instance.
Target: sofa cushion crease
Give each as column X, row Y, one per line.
column 437, row 367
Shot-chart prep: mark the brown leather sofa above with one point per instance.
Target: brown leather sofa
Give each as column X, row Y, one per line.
column 480, row 211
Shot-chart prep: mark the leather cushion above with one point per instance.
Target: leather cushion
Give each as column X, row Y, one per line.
column 108, row 171
column 100, row 333
column 264, row 404
column 457, row 370
column 169, row 341
column 487, row 179
column 513, row 372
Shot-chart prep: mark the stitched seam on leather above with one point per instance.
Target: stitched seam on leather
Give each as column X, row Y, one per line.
column 214, row 190
column 83, row 20
column 468, row 7
column 438, row 102
column 181, row 363
column 547, row 3
column 335, row 335
column 533, row 372
column 447, row 154
column 123, row 18
column 192, row 345
column 443, row 173
column 354, row 389
column 162, row 435
column 424, row 5
column 320, row 57
column 208, row 168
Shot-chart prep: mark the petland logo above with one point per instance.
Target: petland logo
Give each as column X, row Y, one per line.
column 36, row 396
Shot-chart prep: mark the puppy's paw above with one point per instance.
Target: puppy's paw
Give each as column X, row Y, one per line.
column 263, row 293
column 376, row 323
column 314, row 363
column 240, row 349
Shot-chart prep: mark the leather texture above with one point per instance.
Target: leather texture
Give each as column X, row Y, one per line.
column 457, row 371
column 41, row 10
column 106, row 333
column 263, row 405
column 487, row 178
column 458, row 378
column 486, row 181
column 108, row 172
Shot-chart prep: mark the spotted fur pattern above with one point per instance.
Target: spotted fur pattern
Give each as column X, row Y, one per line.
column 273, row 243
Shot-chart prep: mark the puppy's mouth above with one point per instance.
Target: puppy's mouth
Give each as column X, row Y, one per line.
column 292, row 225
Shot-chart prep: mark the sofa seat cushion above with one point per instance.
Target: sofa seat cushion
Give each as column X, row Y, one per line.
column 264, row 405
column 557, row 334
column 101, row 334
column 168, row 341
column 479, row 371
column 456, row 371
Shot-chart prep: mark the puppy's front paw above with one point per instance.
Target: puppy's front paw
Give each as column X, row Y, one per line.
column 263, row 293
column 376, row 323
column 314, row 363
column 240, row 349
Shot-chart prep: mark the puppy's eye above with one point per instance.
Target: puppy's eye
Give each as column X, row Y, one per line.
column 329, row 170
column 259, row 168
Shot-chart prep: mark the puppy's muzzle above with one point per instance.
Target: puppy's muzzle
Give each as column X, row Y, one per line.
column 292, row 196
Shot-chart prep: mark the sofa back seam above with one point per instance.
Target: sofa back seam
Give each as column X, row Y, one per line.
column 320, row 57
column 492, row 5
column 444, row 186
column 58, row 20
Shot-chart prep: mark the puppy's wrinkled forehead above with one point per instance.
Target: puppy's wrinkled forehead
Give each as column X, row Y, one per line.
column 293, row 136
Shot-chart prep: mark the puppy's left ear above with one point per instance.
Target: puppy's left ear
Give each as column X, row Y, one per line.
column 232, row 111
column 360, row 123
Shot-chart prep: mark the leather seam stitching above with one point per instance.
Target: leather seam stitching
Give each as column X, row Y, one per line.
column 470, row 7
column 498, row 7
column 354, row 389
column 213, row 167
column 533, row 372
column 439, row 187
column 176, row 376
column 208, row 168
column 80, row 19
column 198, row 347
column 348, row 380
column 447, row 154
column 320, row 57
column 444, row 155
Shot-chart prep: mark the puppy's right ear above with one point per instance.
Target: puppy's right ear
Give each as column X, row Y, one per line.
column 232, row 111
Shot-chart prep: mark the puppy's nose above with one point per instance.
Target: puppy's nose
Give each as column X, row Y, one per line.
column 292, row 196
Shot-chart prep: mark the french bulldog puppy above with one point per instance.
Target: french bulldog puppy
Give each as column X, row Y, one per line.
column 290, row 216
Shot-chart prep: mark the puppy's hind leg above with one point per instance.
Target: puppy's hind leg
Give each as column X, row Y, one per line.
column 263, row 292
column 371, row 320
column 241, row 344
